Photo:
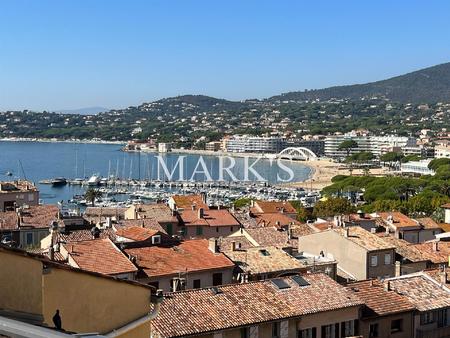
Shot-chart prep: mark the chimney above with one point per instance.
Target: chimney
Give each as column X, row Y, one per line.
column 435, row 246
column 398, row 269
column 203, row 195
column 444, row 276
column 387, row 286
column 213, row 245
column 51, row 253
column 346, row 232
column 200, row 213
column 108, row 222
column 282, row 210
column 193, row 207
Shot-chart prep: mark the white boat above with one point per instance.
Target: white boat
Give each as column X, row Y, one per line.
column 94, row 180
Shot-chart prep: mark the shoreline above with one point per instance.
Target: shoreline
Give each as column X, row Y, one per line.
column 54, row 140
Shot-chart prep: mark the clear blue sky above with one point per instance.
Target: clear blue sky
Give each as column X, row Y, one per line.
column 65, row 54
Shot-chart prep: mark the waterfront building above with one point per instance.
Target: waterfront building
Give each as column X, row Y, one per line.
column 366, row 143
column 164, row 147
column 254, row 144
column 417, row 167
column 213, row 146
column 16, row 194
column 316, row 146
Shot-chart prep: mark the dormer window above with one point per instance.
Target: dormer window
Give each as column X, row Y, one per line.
column 156, row 239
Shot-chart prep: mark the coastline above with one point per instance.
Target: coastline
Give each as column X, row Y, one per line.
column 54, row 140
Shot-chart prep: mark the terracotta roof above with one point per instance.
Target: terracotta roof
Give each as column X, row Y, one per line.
column 105, row 212
column 428, row 250
column 190, row 255
column 399, row 220
column 270, row 236
column 241, row 242
column 145, row 222
column 39, row 216
column 263, row 207
column 216, row 218
column 436, row 274
column 428, row 223
column 379, row 302
column 260, row 260
column 136, row 233
column 404, row 248
column 99, row 255
column 187, row 201
column 16, row 186
column 364, row 238
column 446, row 206
column 83, row 235
column 8, row 220
column 158, row 212
column 322, row 226
column 275, row 219
column 422, row 291
column 200, row 311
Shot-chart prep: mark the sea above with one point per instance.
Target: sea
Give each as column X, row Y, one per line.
column 37, row 161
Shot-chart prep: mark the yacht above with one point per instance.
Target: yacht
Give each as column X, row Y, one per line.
column 94, row 180
column 58, row 181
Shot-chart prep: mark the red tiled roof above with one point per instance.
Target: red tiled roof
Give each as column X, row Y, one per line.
column 212, row 218
column 8, row 220
column 428, row 223
column 83, row 235
column 143, row 222
column 39, row 216
column 99, row 255
column 136, row 233
column 422, row 291
column 379, row 302
column 441, row 255
column 158, row 212
column 275, row 219
column 262, row 207
column 364, row 238
column 399, row 220
column 270, row 236
column 196, row 312
column 190, row 255
column 187, row 201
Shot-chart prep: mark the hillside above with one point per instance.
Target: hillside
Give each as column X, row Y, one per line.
column 427, row 85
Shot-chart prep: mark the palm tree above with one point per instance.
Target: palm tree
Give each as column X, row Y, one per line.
column 91, row 195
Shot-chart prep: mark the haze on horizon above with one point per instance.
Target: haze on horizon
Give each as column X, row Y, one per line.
column 68, row 54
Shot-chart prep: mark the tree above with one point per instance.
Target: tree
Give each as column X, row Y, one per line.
column 333, row 206
column 91, row 195
column 348, row 145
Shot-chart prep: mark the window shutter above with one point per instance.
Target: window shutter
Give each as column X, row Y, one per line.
column 254, row 332
column 284, row 329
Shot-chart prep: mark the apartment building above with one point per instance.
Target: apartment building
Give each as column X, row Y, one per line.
column 311, row 305
column 16, row 194
column 159, row 212
column 35, row 288
column 360, row 254
column 254, row 144
column 442, row 149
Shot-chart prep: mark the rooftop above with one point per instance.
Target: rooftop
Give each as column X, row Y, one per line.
column 398, row 219
column 270, row 236
column 99, row 255
column 144, row 222
column 428, row 223
column 379, row 302
column 435, row 251
column 34, row 216
column 260, row 260
column 83, row 235
column 421, row 290
column 187, row 201
column 188, row 256
column 404, row 248
column 267, row 207
column 136, row 233
column 204, row 310
column 219, row 217
column 16, row 186
column 364, row 238
column 158, row 212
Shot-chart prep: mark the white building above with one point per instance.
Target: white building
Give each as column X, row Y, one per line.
column 164, row 147
column 442, row 150
column 417, row 167
column 254, row 144
column 377, row 145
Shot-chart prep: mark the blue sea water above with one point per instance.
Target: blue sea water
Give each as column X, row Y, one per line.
column 37, row 161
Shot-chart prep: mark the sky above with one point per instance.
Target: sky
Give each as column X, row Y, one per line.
column 64, row 54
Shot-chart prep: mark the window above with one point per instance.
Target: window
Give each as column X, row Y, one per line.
column 426, row 318
column 217, row 229
column 442, row 318
column 396, row 325
column 156, row 239
column 387, row 259
column 307, row 333
column 374, row 260
column 217, row 279
column 169, row 229
column 231, row 229
column 373, row 330
column 348, row 328
column 29, row 238
column 276, row 330
column 199, row 230
column 31, row 198
column 328, row 331
column 197, row 284
column 245, row 332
